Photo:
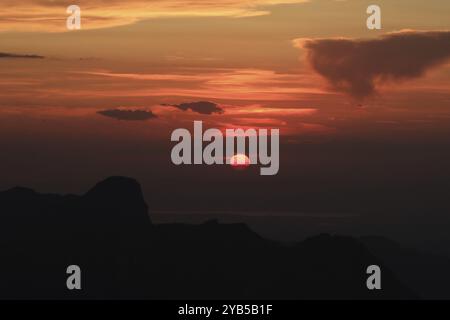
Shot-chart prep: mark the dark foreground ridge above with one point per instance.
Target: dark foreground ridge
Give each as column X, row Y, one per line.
column 122, row 255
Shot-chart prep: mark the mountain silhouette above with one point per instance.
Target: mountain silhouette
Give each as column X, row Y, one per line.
column 122, row 255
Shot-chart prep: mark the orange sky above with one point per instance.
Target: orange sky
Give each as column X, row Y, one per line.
column 241, row 55
column 357, row 109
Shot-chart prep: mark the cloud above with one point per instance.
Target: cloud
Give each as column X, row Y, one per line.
column 357, row 67
column 4, row 55
column 202, row 107
column 131, row 115
column 218, row 84
column 49, row 15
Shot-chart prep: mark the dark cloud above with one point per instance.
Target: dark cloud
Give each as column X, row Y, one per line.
column 358, row 66
column 132, row 115
column 22, row 56
column 203, row 107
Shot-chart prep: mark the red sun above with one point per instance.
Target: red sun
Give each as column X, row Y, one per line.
column 239, row 161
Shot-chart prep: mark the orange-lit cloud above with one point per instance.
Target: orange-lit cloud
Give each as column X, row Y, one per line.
column 261, row 110
column 49, row 15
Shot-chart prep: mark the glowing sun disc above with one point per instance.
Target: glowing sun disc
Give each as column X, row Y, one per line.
column 239, row 161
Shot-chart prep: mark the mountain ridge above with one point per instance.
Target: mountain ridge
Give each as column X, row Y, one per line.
column 108, row 232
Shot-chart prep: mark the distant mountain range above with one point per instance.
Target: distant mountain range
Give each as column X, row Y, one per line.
column 123, row 255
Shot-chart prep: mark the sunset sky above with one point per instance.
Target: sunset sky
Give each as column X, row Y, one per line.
column 354, row 106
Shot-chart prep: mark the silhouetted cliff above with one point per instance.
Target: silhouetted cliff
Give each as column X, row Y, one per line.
column 108, row 233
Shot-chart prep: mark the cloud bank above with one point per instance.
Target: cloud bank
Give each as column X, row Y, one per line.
column 358, row 67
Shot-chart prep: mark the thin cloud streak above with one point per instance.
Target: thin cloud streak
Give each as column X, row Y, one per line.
column 129, row 115
column 5, row 55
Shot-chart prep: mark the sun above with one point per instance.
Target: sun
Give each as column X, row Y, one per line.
column 239, row 161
